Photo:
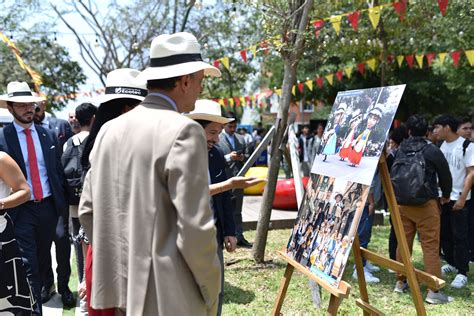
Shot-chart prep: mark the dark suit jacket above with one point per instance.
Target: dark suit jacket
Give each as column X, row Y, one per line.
column 49, row 144
column 233, row 167
column 61, row 129
column 222, row 204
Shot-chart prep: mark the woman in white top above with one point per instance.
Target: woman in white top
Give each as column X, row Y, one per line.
column 15, row 293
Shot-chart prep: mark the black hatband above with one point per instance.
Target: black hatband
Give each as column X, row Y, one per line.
column 174, row 60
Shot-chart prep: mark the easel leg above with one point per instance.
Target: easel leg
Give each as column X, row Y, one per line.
column 364, row 295
column 283, row 288
column 334, row 303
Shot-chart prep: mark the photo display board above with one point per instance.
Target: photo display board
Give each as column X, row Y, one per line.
column 340, row 180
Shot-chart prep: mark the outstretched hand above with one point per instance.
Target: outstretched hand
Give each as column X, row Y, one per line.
column 244, row 182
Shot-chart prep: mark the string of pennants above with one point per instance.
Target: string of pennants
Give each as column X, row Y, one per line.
column 371, row 64
column 353, row 17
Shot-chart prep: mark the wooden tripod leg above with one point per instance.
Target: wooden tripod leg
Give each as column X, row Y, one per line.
column 364, row 295
column 282, row 291
column 334, row 303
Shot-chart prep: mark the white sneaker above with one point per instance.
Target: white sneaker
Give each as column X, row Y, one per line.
column 369, row 277
column 401, row 287
column 447, row 268
column 438, row 298
column 371, row 268
column 459, row 281
column 391, row 271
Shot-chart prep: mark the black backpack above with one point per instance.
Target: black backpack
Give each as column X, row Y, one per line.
column 71, row 161
column 408, row 175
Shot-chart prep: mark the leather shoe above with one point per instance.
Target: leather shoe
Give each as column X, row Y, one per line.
column 244, row 243
column 47, row 292
column 68, row 298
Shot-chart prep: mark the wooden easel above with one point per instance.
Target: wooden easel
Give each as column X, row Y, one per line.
column 414, row 276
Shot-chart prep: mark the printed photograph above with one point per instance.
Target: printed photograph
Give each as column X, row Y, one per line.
column 356, row 132
column 326, row 225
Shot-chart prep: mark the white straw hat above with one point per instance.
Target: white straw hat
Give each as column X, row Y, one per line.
column 174, row 55
column 123, row 83
column 208, row 110
column 20, row 92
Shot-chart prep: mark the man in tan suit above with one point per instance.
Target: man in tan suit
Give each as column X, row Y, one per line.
column 145, row 201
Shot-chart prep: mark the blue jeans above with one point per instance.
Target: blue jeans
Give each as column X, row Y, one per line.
column 364, row 230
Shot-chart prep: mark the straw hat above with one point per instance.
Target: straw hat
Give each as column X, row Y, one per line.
column 208, row 110
column 174, row 55
column 355, row 115
column 377, row 111
column 123, row 83
column 20, row 92
column 341, row 108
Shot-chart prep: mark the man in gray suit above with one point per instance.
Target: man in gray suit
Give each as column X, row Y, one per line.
column 236, row 152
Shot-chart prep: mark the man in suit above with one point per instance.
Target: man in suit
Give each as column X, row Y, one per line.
column 235, row 152
column 35, row 150
column 62, row 240
column 145, row 201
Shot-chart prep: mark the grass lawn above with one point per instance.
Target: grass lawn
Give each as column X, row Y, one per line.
column 251, row 289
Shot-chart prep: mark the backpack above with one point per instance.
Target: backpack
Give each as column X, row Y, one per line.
column 465, row 144
column 408, row 176
column 71, row 161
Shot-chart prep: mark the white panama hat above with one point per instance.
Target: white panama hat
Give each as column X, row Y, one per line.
column 174, row 55
column 208, row 110
column 20, row 92
column 341, row 108
column 123, row 83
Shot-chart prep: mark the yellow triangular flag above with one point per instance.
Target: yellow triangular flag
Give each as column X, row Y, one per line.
column 400, row 59
column 419, row 60
column 330, row 78
column 252, row 98
column 278, row 92
column 336, row 23
column 470, row 56
column 253, row 49
column 221, row 102
column 242, row 101
column 374, row 15
column 231, row 101
column 293, row 90
column 371, row 64
column 309, row 84
column 442, row 57
column 348, row 71
column 225, row 62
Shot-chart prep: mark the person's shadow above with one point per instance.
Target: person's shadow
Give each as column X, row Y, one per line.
column 236, row 295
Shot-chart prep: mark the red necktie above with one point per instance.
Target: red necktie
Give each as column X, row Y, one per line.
column 34, row 172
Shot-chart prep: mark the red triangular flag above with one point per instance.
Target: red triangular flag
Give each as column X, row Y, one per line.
column 361, row 68
column 247, row 98
column 455, row 56
column 401, row 8
column 318, row 25
column 430, row 57
column 226, row 102
column 390, row 59
column 237, row 101
column 339, row 75
column 301, row 87
column 217, row 63
column 354, row 19
column 320, row 82
column 243, row 53
column 409, row 59
column 443, row 5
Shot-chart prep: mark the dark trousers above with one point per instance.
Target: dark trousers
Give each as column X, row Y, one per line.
column 237, row 202
column 76, row 225
column 392, row 242
column 364, row 230
column 470, row 207
column 454, row 237
column 62, row 243
column 34, row 230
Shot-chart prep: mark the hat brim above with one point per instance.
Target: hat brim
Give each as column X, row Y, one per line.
column 22, row 99
column 210, row 117
column 109, row 97
column 157, row 73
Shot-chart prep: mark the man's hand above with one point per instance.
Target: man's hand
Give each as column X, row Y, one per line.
column 235, row 156
column 230, row 243
column 244, row 182
column 82, row 290
column 459, row 205
column 444, row 200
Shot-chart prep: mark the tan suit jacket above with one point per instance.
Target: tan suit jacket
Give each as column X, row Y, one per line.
column 145, row 206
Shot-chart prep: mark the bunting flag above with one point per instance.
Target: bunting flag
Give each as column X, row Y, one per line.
column 242, row 101
column 455, row 56
column 400, row 60
column 419, row 60
column 336, row 23
column 361, row 68
column 442, row 57
column 443, row 5
column 231, row 102
column 320, row 82
column 318, row 25
column 390, row 59
column 430, row 57
column 278, row 92
column 348, row 71
column 401, row 8
column 374, row 15
column 339, row 75
column 221, row 102
column 301, row 87
column 309, row 84
column 253, row 49
column 217, row 63
column 226, row 102
column 293, row 90
column 237, row 101
column 371, row 64
column 330, row 78
column 409, row 59
column 225, row 62
column 243, row 53
column 354, row 19
column 470, row 56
